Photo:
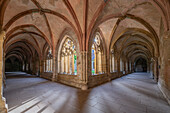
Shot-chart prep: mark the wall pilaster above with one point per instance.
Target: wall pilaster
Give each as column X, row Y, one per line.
column 54, row 78
column 3, row 106
column 85, row 69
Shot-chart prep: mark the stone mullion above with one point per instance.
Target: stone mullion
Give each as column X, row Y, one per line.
column 96, row 71
column 101, row 63
column 68, row 61
column 72, row 63
column 60, row 64
column 111, row 62
column 64, row 64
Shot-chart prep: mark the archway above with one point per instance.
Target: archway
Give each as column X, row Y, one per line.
column 13, row 64
column 141, row 65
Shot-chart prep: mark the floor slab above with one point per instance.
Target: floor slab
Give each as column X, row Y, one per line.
column 134, row 93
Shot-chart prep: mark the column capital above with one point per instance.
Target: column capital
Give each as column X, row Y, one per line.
column 84, row 52
column 167, row 34
column 2, row 35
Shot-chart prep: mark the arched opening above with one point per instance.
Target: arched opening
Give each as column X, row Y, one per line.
column 48, row 64
column 68, row 58
column 97, row 56
column 113, row 62
column 22, row 56
column 13, row 64
column 141, row 65
column 121, row 65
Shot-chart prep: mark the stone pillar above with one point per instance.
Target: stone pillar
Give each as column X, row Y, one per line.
column 41, row 67
column 3, row 106
column 33, row 66
column 54, row 78
column 128, row 66
column 84, row 74
column 118, row 66
column 164, row 75
column 156, row 69
column 132, row 67
column 111, row 63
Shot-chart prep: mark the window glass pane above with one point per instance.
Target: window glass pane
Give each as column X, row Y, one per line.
column 68, row 52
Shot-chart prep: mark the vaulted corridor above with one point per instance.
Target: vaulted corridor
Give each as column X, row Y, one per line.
column 85, row 56
column 134, row 93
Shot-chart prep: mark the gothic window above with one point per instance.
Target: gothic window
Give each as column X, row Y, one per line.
column 130, row 66
column 121, row 64
column 126, row 66
column 68, row 57
column 112, row 62
column 49, row 61
column 96, row 56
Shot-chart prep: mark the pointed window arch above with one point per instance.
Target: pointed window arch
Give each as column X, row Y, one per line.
column 121, row 65
column 97, row 54
column 48, row 64
column 112, row 62
column 68, row 57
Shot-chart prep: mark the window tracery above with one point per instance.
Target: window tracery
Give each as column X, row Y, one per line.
column 68, row 58
column 112, row 61
column 121, row 65
column 49, row 62
column 96, row 56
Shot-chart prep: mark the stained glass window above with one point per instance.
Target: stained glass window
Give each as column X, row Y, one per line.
column 68, row 58
column 93, row 60
column 96, row 56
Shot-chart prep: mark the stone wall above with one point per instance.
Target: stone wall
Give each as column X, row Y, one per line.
column 164, row 75
column 95, row 80
column 113, row 75
column 47, row 75
column 71, row 80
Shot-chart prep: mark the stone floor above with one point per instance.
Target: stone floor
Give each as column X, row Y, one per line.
column 134, row 93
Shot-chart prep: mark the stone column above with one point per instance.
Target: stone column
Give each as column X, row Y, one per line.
column 84, row 74
column 41, row 67
column 3, row 105
column 72, row 63
column 118, row 67
column 54, row 78
column 148, row 67
column 132, row 67
column 156, row 69
column 129, row 67
column 111, row 63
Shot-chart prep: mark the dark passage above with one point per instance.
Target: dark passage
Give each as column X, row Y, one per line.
column 13, row 64
column 141, row 65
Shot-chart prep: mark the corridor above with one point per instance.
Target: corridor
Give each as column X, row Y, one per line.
column 134, row 93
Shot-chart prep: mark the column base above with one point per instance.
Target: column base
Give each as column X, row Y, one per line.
column 3, row 106
column 109, row 79
column 53, row 79
column 84, row 87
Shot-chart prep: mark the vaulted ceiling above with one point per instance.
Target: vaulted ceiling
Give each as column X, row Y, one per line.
column 44, row 22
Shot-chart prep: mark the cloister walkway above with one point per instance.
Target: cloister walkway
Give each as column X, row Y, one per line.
column 134, row 93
